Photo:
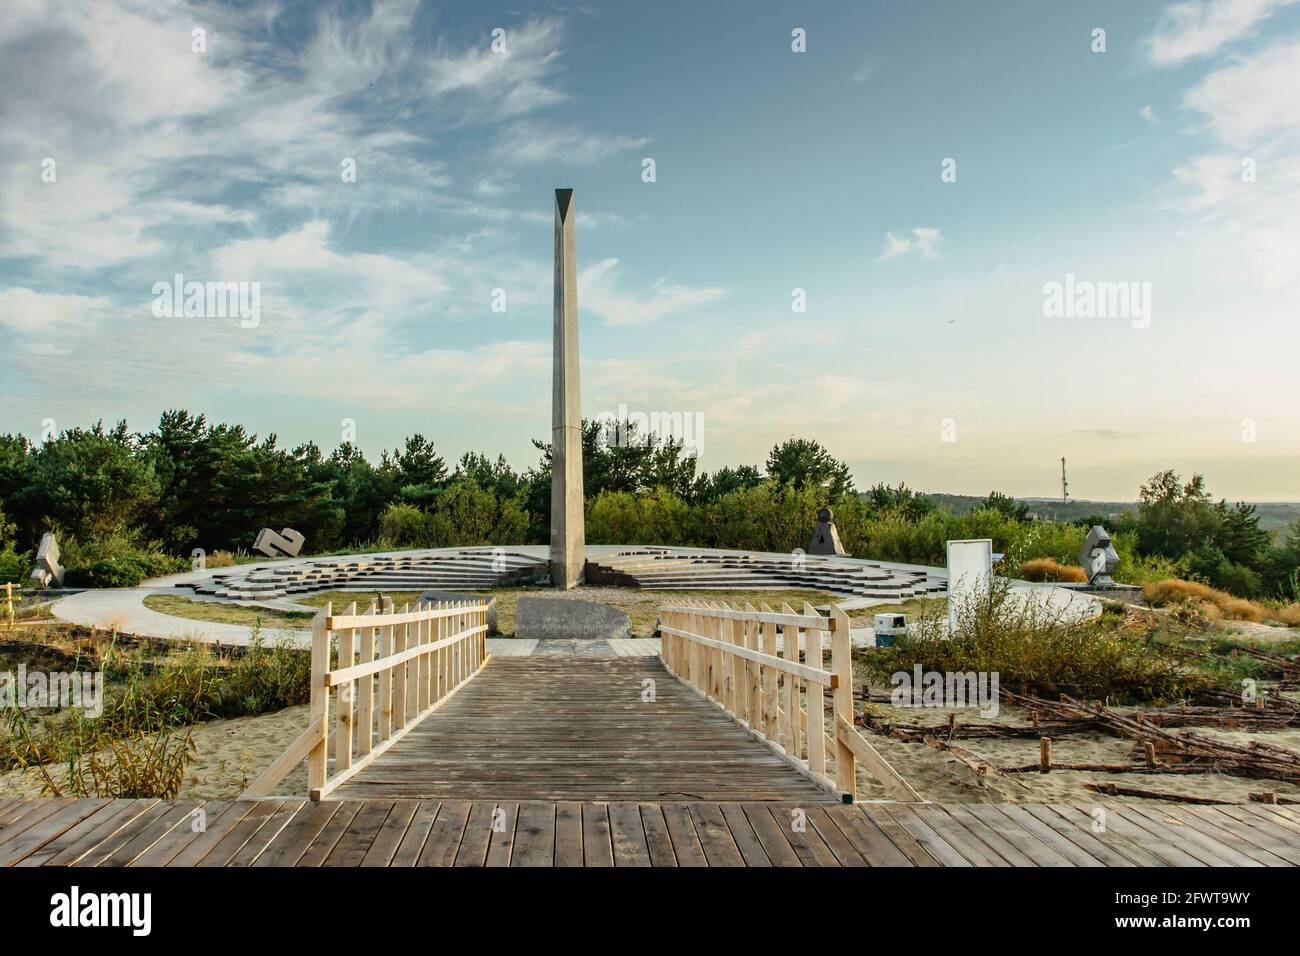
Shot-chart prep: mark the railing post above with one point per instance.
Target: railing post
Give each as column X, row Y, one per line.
column 790, row 651
column 366, row 692
column 815, row 656
column 399, row 676
column 770, row 703
column 386, row 675
column 846, row 777
column 343, row 732
column 319, row 705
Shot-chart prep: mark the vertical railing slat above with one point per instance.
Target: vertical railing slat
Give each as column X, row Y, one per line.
column 846, row 779
column 770, row 703
column 386, row 675
column 815, row 656
column 319, row 706
column 343, row 728
column 366, row 692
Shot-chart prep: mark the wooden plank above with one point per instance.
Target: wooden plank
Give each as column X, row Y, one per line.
column 742, row 832
column 1079, row 823
column 216, row 828
column 225, row 849
column 658, row 840
column 970, row 845
column 568, row 834
column 292, row 842
column 82, row 835
column 1176, row 824
column 898, row 835
column 628, row 835
column 268, row 831
column 933, row 843
column 1170, row 840
column 503, row 835
column 771, row 835
column 802, row 834
column 141, row 824
column 535, row 835
column 477, row 837
column 32, row 816
column 597, row 845
column 413, row 840
column 711, row 827
column 681, row 830
column 1261, row 832
column 49, row 828
column 1060, row 844
column 1131, row 838
column 1040, row 852
column 868, row 840
column 444, row 839
column 390, row 834
column 322, row 845
column 177, row 814
column 1264, row 849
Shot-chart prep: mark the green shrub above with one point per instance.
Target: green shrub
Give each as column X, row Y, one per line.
column 113, row 573
column 405, row 526
column 13, row 567
column 1027, row 645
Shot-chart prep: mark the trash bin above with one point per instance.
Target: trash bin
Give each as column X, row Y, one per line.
column 888, row 627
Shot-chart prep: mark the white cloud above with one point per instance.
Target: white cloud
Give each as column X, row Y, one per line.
column 1246, row 195
column 1200, row 27
column 921, row 242
column 527, row 143
column 598, row 293
column 1148, row 114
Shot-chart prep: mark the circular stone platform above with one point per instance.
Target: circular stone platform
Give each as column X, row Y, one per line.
column 856, row 583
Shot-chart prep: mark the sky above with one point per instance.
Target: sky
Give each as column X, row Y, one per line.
column 915, row 175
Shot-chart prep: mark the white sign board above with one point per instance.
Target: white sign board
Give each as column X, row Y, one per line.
column 970, row 573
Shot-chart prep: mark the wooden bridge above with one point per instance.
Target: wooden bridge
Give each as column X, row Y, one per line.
column 734, row 708
column 735, row 747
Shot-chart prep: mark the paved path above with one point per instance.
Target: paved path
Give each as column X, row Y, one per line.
column 123, row 609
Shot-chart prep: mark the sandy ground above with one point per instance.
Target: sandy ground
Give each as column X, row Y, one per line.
column 231, row 753
column 940, row 777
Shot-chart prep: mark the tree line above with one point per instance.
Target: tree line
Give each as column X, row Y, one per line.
column 126, row 505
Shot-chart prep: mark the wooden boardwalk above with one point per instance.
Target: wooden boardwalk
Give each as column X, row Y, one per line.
column 476, row 833
column 572, row 728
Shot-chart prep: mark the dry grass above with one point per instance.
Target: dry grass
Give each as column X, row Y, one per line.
column 1049, row 569
column 1197, row 597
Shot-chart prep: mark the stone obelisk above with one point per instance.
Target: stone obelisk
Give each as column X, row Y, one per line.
column 567, row 538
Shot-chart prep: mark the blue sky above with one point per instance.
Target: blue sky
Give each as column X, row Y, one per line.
column 775, row 171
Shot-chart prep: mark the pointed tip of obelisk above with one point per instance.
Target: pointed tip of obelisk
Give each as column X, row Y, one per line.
column 563, row 197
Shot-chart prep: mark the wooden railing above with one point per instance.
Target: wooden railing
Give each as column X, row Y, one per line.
column 393, row 668
column 749, row 663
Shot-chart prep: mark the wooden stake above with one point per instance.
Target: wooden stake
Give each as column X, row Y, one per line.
column 1044, row 754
